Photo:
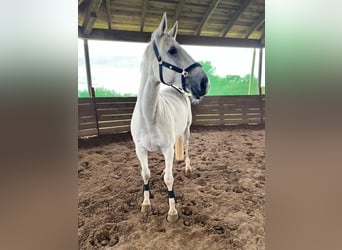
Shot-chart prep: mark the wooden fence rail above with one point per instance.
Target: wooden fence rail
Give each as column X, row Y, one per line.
column 111, row 115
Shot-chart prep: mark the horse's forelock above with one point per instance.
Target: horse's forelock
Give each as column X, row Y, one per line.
column 157, row 38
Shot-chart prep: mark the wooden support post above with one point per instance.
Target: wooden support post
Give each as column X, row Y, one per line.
column 260, row 71
column 87, row 62
column 259, row 85
column 91, row 90
column 93, row 98
column 252, row 73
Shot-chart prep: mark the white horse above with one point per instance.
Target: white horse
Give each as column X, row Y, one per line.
column 162, row 116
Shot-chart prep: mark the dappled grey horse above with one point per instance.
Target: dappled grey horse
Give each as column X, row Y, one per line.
column 162, row 116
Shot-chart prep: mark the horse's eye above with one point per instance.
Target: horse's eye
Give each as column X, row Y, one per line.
column 172, row 50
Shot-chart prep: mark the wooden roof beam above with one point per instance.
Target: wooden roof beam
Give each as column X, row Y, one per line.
column 145, row 37
column 109, row 17
column 89, row 22
column 236, row 16
column 178, row 11
column 143, row 14
column 256, row 25
column 90, row 15
column 207, row 17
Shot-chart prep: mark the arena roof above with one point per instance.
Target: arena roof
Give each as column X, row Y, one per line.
column 238, row 23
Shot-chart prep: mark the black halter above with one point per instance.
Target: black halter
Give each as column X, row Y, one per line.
column 183, row 72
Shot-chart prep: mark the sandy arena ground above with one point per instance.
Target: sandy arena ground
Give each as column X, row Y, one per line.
column 221, row 204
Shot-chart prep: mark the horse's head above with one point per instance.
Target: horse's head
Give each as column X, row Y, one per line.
column 173, row 66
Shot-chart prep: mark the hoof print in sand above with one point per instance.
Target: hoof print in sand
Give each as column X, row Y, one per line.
column 186, row 211
column 221, row 204
column 187, row 222
column 216, row 230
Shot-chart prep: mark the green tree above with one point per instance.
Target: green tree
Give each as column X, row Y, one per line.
column 229, row 84
column 208, row 67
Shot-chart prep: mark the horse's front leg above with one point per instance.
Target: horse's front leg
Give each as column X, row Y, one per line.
column 146, row 174
column 188, row 168
column 168, row 153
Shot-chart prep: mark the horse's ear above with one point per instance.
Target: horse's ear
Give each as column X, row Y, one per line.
column 174, row 30
column 162, row 26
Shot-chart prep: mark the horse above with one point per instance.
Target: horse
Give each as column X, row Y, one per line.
column 162, row 116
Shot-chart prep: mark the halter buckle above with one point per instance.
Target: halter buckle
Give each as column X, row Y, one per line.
column 185, row 73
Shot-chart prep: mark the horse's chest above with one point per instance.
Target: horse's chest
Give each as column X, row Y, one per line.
column 152, row 141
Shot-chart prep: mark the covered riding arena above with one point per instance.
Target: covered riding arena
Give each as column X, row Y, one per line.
column 221, row 204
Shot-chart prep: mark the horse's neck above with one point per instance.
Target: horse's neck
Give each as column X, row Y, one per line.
column 148, row 95
column 148, row 100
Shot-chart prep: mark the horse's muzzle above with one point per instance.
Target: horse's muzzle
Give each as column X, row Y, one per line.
column 201, row 87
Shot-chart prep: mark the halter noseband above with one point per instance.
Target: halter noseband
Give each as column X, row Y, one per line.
column 183, row 72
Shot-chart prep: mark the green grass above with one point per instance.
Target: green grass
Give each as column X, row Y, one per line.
column 102, row 92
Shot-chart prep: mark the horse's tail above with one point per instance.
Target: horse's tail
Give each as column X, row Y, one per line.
column 179, row 148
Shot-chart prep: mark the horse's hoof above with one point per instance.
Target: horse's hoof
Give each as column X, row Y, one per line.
column 146, row 208
column 188, row 169
column 172, row 217
column 188, row 172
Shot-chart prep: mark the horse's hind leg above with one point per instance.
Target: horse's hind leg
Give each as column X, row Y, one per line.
column 168, row 153
column 179, row 149
column 186, row 149
column 146, row 174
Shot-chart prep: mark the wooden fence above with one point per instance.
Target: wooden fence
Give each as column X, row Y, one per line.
column 111, row 115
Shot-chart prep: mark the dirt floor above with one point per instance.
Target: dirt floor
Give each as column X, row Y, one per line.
column 221, row 204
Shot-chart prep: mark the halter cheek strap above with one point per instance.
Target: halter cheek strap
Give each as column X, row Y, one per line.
column 183, row 72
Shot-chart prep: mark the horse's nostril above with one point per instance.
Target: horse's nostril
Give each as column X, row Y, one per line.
column 204, row 83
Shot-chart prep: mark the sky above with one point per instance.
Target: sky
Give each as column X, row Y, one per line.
column 116, row 65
